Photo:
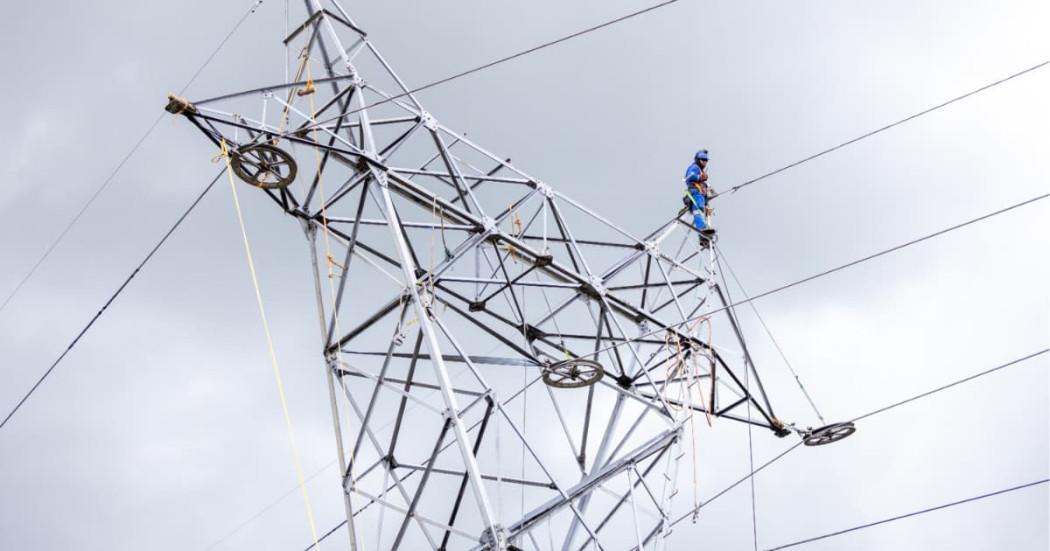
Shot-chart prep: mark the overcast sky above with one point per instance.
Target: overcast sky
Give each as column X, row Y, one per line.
column 162, row 429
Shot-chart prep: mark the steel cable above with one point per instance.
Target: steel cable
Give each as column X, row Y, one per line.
column 499, row 61
column 912, row 514
column 120, row 165
column 112, row 297
column 829, row 271
column 870, row 414
column 736, row 188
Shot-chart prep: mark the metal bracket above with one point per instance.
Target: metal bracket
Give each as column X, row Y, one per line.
column 428, row 120
column 652, row 248
column 491, row 228
column 544, row 189
column 598, row 284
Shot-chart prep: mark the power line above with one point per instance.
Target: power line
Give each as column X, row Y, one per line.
column 267, row 508
column 505, row 59
column 829, row 271
column 875, row 412
column 736, row 188
column 912, row 514
column 120, row 165
column 111, row 299
column 735, row 484
column 949, row 385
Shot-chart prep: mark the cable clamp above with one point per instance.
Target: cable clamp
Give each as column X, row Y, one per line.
column 306, row 90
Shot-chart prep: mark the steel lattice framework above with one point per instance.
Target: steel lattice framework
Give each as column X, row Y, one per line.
column 455, row 291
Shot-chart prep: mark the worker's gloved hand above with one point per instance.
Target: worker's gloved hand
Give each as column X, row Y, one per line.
column 703, row 176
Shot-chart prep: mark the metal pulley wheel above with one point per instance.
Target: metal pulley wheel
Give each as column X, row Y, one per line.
column 573, row 373
column 831, row 433
column 264, row 166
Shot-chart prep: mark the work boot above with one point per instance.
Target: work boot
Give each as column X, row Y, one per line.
column 707, row 237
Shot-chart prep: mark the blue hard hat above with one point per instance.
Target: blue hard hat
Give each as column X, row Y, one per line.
column 700, row 155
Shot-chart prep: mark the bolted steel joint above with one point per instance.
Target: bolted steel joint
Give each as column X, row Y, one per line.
column 490, row 225
column 428, row 120
column 598, row 285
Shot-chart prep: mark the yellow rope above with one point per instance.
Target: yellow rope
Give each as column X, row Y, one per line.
column 516, row 226
column 273, row 355
column 687, row 375
column 685, row 400
column 516, row 231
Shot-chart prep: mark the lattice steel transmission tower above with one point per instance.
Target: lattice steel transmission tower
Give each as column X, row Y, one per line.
column 506, row 367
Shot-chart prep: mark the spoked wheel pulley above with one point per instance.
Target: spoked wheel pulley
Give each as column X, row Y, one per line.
column 264, row 166
column 573, row 373
column 830, row 433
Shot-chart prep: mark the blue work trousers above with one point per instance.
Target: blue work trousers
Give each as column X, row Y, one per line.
column 697, row 207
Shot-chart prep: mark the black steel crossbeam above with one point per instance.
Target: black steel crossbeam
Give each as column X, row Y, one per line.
column 447, row 176
column 364, row 325
column 508, row 480
column 404, row 397
column 677, row 295
column 718, row 413
column 463, row 483
column 579, row 336
column 422, row 484
column 693, row 282
column 427, row 386
column 731, row 313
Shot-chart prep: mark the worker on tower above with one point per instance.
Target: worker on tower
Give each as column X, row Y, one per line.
column 697, row 193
